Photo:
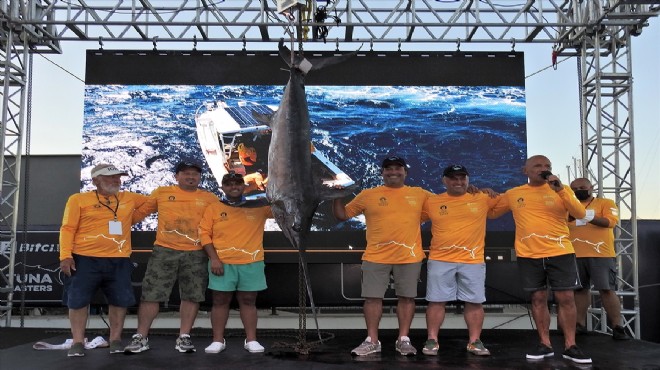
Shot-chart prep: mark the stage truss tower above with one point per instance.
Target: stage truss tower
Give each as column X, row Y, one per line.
column 597, row 32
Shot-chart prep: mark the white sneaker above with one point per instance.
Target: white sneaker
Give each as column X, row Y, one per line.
column 216, row 347
column 253, row 346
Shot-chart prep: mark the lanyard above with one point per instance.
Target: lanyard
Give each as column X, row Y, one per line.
column 114, row 211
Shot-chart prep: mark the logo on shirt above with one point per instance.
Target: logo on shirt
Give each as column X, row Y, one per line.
column 411, row 200
column 473, row 207
column 549, row 200
column 171, row 198
column 224, row 216
column 443, row 210
column 382, row 202
column 520, row 202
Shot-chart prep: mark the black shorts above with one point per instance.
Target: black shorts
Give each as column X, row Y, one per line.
column 598, row 273
column 559, row 271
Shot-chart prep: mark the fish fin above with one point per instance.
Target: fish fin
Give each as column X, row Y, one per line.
column 313, row 64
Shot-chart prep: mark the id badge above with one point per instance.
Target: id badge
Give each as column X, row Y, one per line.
column 115, row 227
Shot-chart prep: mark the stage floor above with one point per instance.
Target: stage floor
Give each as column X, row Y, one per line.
column 508, row 348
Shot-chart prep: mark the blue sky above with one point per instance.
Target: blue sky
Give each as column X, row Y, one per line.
column 553, row 123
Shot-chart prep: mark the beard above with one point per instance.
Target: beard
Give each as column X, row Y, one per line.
column 108, row 189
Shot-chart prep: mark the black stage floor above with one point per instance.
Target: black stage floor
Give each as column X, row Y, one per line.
column 507, row 347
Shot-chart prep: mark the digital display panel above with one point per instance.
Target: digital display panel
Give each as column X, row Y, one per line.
column 145, row 111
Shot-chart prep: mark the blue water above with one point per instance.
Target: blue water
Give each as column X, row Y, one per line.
column 146, row 129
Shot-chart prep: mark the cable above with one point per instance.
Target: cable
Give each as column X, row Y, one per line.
column 62, row 68
column 543, row 69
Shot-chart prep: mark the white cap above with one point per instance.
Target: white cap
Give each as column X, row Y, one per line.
column 105, row 169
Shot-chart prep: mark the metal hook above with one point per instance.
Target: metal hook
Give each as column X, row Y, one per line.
column 337, row 44
column 194, row 42
column 244, row 43
column 513, row 45
column 100, row 42
column 155, row 41
column 399, row 47
column 371, row 45
column 458, row 45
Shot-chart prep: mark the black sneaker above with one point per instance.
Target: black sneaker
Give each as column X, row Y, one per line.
column 574, row 354
column 619, row 333
column 540, row 352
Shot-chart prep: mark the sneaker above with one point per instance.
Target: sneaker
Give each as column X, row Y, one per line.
column 216, row 347
column 184, row 344
column 540, row 352
column 404, row 347
column 116, row 347
column 581, row 329
column 366, row 348
column 138, row 344
column 431, row 347
column 574, row 354
column 619, row 333
column 477, row 348
column 76, row 350
column 253, row 346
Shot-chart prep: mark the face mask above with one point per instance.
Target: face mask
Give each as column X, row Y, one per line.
column 582, row 194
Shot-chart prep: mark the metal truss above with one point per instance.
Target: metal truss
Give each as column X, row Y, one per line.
column 608, row 154
column 597, row 31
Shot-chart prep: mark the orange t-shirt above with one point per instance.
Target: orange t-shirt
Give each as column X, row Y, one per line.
column 237, row 233
column 179, row 213
column 459, row 226
column 540, row 214
column 86, row 224
column 596, row 241
column 393, row 217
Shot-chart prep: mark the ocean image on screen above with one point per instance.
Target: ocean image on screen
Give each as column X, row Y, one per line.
column 147, row 129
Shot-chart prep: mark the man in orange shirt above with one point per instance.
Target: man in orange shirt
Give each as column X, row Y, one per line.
column 544, row 251
column 95, row 250
column 232, row 234
column 456, row 267
column 596, row 259
column 177, row 255
column 393, row 214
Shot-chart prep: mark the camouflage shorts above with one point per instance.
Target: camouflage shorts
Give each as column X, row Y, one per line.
column 166, row 266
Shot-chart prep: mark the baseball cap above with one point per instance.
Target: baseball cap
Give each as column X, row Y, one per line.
column 231, row 177
column 105, row 169
column 186, row 164
column 455, row 169
column 394, row 160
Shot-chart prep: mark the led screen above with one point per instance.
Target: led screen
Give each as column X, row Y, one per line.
column 143, row 109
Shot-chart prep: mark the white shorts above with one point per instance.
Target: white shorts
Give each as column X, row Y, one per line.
column 449, row 281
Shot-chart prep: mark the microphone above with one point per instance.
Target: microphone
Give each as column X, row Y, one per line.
column 546, row 174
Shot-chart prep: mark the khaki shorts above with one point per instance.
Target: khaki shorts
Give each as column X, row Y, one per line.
column 376, row 278
column 168, row 265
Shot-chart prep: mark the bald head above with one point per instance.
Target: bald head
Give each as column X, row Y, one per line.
column 534, row 166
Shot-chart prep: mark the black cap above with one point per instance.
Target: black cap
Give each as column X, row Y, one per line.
column 455, row 169
column 231, row 177
column 394, row 160
column 184, row 165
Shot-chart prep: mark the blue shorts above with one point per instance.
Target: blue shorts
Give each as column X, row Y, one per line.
column 249, row 277
column 111, row 274
column 450, row 281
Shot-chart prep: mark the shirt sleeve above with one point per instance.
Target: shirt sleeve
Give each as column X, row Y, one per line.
column 145, row 206
column 69, row 227
column 206, row 226
column 572, row 204
column 610, row 212
column 356, row 206
column 500, row 207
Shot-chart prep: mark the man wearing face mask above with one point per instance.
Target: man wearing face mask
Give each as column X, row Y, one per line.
column 596, row 258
